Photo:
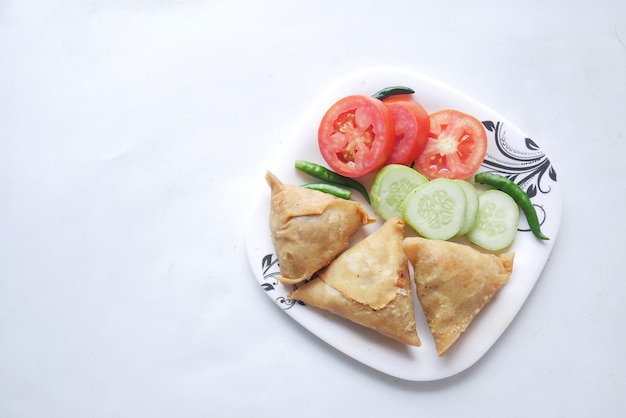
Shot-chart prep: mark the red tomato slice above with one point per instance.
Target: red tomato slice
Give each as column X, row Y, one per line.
column 356, row 135
column 412, row 125
column 456, row 146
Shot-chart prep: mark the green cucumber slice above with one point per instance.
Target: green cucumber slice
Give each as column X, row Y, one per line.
column 497, row 221
column 436, row 209
column 391, row 186
column 471, row 195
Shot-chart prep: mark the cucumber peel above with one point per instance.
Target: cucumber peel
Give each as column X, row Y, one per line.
column 471, row 196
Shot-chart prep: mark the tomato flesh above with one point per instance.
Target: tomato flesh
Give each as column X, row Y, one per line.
column 356, row 135
column 411, row 127
column 456, row 146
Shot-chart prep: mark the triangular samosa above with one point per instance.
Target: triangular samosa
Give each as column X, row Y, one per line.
column 370, row 285
column 310, row 228
column 454, row 282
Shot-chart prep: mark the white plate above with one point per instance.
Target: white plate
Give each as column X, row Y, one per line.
column 509, row 152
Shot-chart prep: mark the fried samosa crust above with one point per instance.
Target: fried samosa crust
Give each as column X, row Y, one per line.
column 378, row 265
column 310, row 228
column 454, row 282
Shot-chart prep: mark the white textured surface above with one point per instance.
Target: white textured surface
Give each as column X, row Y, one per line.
column 132, row 137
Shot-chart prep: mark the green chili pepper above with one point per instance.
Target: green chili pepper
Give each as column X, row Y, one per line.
column 331, row 189
column 390, row 91
column 518, row 194
column 322, row 173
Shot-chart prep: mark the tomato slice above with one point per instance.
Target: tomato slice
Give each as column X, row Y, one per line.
column 356, row 135
column 456, row 146
column 411, row 126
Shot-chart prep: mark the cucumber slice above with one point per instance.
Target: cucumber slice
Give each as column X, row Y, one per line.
column 391, row 186
column 497, row 221
column 436, row 209
column 471, row 195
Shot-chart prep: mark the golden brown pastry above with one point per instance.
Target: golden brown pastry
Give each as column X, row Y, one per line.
column 370, row 285
column 454, row 282
column 310, row 228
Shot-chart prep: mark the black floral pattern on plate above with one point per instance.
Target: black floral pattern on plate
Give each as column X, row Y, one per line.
column 271, row 272
column 527, row 168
